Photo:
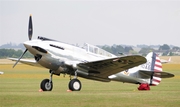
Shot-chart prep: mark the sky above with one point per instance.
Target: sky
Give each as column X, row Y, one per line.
column 98, row 22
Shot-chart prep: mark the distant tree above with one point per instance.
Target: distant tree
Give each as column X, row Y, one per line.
column 4, row 53
column 145, row 51
column 28, row 55
column 175, row 48
column 170, row 54
column 119, row 49
column 164, row 47
column 127, row 49
column 107, row 48
column 114, row 50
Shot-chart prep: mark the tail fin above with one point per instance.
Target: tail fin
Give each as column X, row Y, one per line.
column 154, row 65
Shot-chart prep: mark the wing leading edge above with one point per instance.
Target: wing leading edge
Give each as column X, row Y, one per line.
column 28, row 62
column 105, row 68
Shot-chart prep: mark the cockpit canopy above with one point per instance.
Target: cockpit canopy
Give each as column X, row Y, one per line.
column 96, row 50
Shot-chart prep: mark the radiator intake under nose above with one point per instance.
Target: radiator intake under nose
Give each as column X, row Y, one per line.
column 37, row 57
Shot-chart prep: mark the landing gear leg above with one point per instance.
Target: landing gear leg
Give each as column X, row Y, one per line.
column 75, row 84
column 47, row 84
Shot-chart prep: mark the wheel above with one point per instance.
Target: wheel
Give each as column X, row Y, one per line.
column 75, row 85
column 46, row 85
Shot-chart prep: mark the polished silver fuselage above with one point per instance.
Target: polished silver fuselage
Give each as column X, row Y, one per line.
column 57, row 56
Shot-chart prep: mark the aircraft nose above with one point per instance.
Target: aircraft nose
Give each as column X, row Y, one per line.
column 27, row 44
column 33, row 47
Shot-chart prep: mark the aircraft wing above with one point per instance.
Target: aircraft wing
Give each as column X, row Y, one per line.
column 105, row 68
column 147, row 74
column 26, row 61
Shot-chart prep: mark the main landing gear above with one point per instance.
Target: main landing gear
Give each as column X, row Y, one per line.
column 74, row 84
column 47, row 84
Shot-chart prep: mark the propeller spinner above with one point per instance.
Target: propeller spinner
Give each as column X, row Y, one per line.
column 30, row 32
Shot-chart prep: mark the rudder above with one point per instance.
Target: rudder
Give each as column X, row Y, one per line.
column 156, row 66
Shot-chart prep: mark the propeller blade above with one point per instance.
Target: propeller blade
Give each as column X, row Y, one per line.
column 20, row 58
column 30, row 29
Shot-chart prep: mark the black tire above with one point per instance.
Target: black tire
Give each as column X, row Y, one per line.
column 45, row 85
column 75, row 85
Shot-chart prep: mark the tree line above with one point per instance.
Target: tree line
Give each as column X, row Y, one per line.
column 5, row 53
column 115, row 49
column 164, row 49
column 118, row 49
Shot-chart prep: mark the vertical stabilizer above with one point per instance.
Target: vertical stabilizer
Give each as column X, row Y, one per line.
column 153, row 64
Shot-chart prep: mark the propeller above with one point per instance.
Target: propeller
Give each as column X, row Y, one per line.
column 30, row 29
column 30, row 32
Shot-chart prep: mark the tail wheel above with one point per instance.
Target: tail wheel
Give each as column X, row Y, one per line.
column 46, row 85
column 75, row 85
column 144, row 86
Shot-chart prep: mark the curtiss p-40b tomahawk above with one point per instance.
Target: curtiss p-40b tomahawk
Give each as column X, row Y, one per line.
column 90, row 62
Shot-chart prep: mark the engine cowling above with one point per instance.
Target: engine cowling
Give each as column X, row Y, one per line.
column 53, row 64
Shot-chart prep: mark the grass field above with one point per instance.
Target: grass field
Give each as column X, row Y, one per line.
column 19, row 87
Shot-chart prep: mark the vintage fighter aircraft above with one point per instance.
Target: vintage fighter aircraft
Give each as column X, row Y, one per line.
column 90, row 62
column 1, row 72
column 163, row 61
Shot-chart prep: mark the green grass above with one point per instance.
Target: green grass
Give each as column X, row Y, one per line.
column 19, row 88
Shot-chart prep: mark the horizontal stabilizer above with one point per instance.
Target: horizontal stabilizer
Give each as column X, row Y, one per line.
column 147, row 74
